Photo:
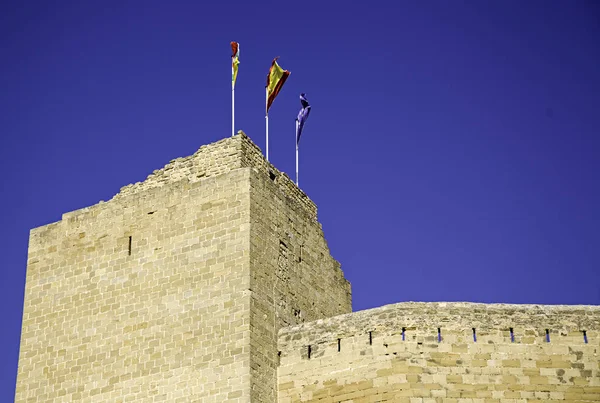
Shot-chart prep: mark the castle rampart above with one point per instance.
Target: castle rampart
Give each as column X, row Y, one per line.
column 446, row 352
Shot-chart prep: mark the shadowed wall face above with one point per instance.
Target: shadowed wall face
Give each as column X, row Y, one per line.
column 394, row 354
column 293, row 277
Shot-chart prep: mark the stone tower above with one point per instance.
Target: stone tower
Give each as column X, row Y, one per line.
column 175, row 289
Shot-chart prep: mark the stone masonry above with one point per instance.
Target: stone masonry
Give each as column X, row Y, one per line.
column 175, row 289
column 211, row 281
column 444, row 352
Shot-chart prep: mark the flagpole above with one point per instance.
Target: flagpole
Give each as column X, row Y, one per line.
column 267, row 118
column 232, row 101
column 296, row 152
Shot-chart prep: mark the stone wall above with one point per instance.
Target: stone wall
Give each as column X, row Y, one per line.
column 141, row 299
column 395, row 354
column 175, row 289
column 218, row 158
column 293, row 276
column 210, row 160
column 293, row 195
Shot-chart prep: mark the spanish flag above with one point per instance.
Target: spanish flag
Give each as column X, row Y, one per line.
column 275, row 80
column 235, row 61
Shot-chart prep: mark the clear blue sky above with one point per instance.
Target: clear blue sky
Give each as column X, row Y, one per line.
column 453, row 147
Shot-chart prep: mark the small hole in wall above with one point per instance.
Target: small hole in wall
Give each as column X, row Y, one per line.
column 129, row 248
column 272, row 175
column 309, row 351
column 279, row 358
column 151, row 212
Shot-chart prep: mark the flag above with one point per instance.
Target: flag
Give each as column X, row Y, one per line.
column 302, row 116
column 235, row 60
column 275, row 80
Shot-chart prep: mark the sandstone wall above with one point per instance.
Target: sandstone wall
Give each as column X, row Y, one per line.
column 142, row 298
column 218, row 158
column 175, row 289
column 293, row 276
column 210, row 160
column 364, row 357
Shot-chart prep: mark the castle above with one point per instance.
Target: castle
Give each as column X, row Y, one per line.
column 211, row 281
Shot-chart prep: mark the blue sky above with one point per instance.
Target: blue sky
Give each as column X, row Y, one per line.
column 452, row 147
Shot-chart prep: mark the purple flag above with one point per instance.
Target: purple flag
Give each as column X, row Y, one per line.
column 302, row 116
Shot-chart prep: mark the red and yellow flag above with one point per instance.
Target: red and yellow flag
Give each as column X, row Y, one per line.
column 275, row 80
column 235, row 61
